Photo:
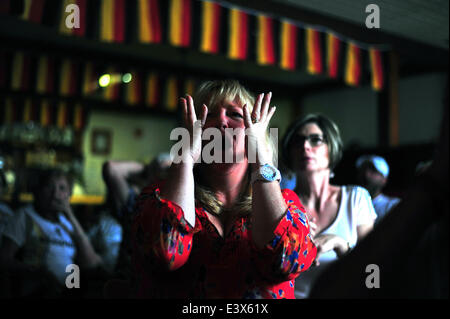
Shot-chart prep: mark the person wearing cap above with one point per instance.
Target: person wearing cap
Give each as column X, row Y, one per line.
column 373, row 172
column 340, row 215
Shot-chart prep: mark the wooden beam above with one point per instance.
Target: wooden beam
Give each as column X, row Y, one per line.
column 393, row 100
column 388, row 105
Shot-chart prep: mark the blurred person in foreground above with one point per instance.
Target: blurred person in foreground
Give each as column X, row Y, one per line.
column 408, row 251
column 221, row 229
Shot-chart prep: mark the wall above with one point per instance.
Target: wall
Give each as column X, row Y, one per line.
column 154, row 138
column 420, row 106
column 355, row 110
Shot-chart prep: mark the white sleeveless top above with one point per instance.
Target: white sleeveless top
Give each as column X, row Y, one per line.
column 355, row 209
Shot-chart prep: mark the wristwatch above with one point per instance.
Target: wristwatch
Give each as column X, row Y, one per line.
column 266, row 173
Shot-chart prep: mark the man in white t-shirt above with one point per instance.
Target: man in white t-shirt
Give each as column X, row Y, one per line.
column 373, row 172
column 42, row 239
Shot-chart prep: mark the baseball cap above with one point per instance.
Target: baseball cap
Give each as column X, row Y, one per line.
column 378, row 162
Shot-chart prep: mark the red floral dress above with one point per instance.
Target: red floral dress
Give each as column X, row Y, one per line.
column 174, row 260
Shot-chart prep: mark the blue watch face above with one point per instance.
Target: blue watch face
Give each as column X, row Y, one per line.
column 268, row 173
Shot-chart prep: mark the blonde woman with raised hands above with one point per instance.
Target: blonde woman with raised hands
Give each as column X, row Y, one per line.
column 221, row 228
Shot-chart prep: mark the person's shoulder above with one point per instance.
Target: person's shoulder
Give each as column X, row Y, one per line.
column 355, row 189
column 356, row 193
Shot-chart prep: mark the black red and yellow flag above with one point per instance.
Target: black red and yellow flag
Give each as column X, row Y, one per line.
column 111, row 92
column 90, row 79
column 20, row 73
column 210, row 27
column 133, row 89
column 152, row 90
column 265, row 46
column 376, row 66
column 30, row 108
column 238, row 34
column 78, row 117
column 112, row 21
column 45, row 80
column 149, row 21
column 288, row 45
column 62, row 115
column 180, row 23
column 46, row 113
column 68, row 79
column 333, row 54
column 353, row 65
column 313, row 51
column 171, row 93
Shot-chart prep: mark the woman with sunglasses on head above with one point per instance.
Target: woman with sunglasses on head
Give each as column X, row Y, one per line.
column 221, row 229
column 339, row 216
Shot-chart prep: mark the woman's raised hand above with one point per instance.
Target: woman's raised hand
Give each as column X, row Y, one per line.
column 256, row 126
column 195, row 127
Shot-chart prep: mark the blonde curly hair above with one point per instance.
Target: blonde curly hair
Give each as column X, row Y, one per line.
column 212, row 94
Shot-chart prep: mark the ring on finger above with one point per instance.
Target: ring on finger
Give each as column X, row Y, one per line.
column 255, row 119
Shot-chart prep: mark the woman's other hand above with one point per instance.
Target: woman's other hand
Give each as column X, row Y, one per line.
column 256, row 126
column 328, row 242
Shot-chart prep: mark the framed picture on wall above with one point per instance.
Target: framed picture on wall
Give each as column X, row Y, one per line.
column 101, row 140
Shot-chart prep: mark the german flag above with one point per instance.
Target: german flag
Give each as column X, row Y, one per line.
column 90, row 79
column 210, row 36
column 149, row 21
column 152, row 89
column 45, row 81
column 81, row 31
column 238, row 35
column 133, row 90
column 112, row 21
column 189, row 86
column 333, row 51
column 69, row 72
column 353, row 65
column 314, row 51
column 62, row 115
column 112, row 91
column 33, row 10
column 288, row 46
column 171, row 93
column 78, row 117
column 265, row 41
column 29, row 111
column 180, row 25
column 376, row 66
column 21, row 65
column 46, row 113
